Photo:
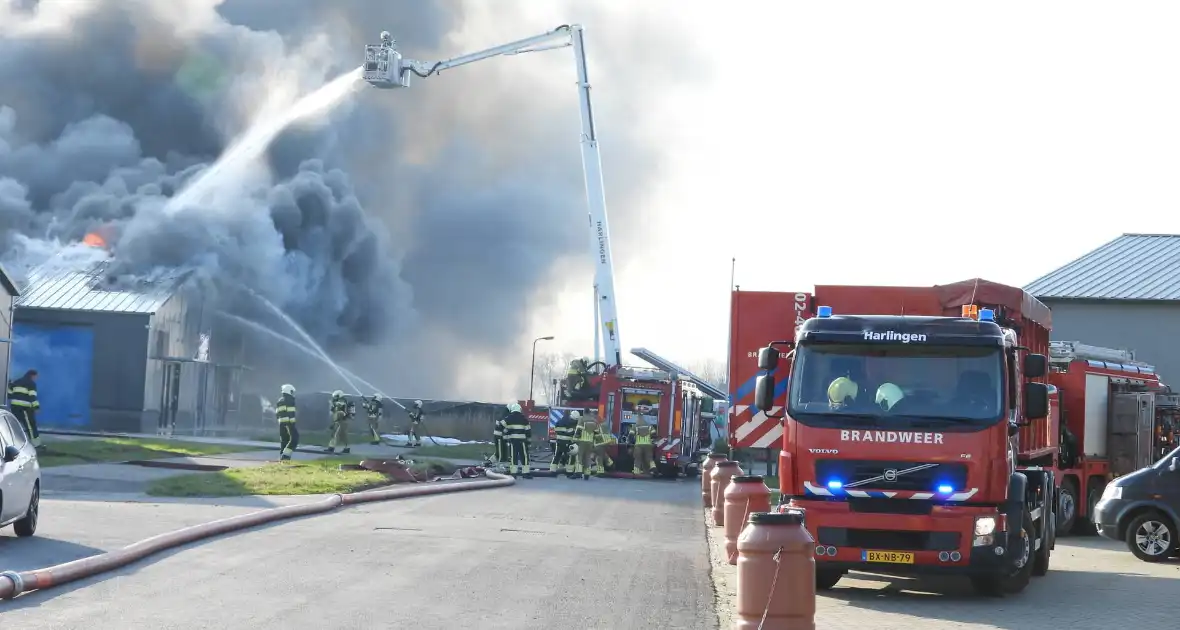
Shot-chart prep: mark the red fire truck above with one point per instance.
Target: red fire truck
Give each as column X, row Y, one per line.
column 978, row 475
column 905, row 416
column 671, row 402
column 1112, row 421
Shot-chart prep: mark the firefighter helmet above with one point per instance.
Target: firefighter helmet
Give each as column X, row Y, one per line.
column 842, row 389
column 514, row 407
column 574, row 415
column 417, row 403
column 889, row 395
column 338, row 394
column 288, row 389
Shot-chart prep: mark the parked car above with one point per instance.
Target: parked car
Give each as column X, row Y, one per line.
column 20, row 477
column 1143, row 509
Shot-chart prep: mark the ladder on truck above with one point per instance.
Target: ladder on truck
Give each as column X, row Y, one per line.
column 664, row 364
column 1064, row 352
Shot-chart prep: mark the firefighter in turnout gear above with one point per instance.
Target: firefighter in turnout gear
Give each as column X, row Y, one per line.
column 602, row 440
column 339, row 408
column 518, row 432
column 413, row 437
column 577, row 379
column 584, row 441
column 373, row 408
column 641, row 438
column 22, row 400
column 285, row 414
column 564, row 432
column 499, row 431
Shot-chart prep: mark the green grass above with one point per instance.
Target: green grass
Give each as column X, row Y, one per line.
column 321, row 476
column 99, row 450
column 456, row 451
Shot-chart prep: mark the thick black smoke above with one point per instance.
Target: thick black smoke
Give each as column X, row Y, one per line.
column 413, row 225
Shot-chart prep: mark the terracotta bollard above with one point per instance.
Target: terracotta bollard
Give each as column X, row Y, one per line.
column 719, row 480
column 746, row 495
column 775, row 574
column 706, row 481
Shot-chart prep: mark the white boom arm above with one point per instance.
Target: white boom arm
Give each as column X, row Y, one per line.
column 386, row 68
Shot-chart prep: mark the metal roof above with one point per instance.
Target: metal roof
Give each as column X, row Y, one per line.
column 53, row 286
column 1131, row 267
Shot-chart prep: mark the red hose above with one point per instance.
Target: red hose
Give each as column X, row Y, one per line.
column 14, row 583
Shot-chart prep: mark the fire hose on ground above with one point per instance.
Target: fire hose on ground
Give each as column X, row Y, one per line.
column 14, row 583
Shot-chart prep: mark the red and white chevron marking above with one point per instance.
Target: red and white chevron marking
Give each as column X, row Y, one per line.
column 755, row 431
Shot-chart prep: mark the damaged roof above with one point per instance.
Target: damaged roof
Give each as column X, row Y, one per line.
column 61, row 287
column 1141, row 267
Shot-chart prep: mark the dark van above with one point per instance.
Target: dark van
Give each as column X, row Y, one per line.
column 1143, row 509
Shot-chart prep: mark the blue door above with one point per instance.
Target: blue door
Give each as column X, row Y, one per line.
column 62, row 356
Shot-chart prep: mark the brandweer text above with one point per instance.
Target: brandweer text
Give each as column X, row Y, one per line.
column 903, row 437
column 891, row 335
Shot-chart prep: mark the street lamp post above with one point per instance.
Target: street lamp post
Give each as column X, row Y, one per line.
column 533, row 367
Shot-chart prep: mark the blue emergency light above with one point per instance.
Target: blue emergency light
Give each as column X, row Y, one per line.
column 987, row 315
column 823, row 311
column 835, row 484
column 945, row 489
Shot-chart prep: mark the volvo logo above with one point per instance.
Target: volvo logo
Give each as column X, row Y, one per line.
column 889, row 475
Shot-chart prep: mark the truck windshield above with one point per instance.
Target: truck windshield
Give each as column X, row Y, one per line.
column 896, row 384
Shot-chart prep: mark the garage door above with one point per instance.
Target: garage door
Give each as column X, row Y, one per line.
column 63, row 356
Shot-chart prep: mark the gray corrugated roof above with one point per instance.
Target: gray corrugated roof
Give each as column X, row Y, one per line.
column 1131, row 267
column 54, row 286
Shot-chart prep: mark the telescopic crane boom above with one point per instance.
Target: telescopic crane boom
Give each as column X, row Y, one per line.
column 386, row 68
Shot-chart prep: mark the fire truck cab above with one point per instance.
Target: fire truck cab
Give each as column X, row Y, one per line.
column 901, row 446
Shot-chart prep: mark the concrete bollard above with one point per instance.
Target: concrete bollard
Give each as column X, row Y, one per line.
column 775, row 573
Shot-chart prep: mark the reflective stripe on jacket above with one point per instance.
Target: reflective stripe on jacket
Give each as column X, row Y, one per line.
column 23, row 393
column 517, row 427
column 285, row 410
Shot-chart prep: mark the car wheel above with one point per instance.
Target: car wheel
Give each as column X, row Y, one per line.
column 1067, row 507
column 27, row 526
column 1151, row 537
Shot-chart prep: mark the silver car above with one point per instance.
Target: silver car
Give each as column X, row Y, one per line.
column 20, row 477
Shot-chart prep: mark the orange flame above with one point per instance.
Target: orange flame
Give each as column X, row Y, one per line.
column 94, row 240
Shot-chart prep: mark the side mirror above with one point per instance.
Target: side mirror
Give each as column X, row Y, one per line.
column 1036, row 401
column 11, row 453
column 1175, row 465
column 1035, row 365
column 764, row 393
column 768, row 359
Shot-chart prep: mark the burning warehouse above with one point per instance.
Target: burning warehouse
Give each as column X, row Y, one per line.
column 121, row 355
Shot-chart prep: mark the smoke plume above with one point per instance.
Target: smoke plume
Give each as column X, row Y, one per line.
column 411, row 232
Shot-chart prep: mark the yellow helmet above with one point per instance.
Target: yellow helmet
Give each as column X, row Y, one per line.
column 841, row 389
column 889, row 395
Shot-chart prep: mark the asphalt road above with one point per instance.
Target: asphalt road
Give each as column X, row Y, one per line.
column 548, row 553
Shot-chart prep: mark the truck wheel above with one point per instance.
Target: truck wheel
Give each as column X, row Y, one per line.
column 1085, row 526
column 825, row 579
column 1041, row 556
column 1019, row 571
column 1067, row 506
column 1151, row 537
